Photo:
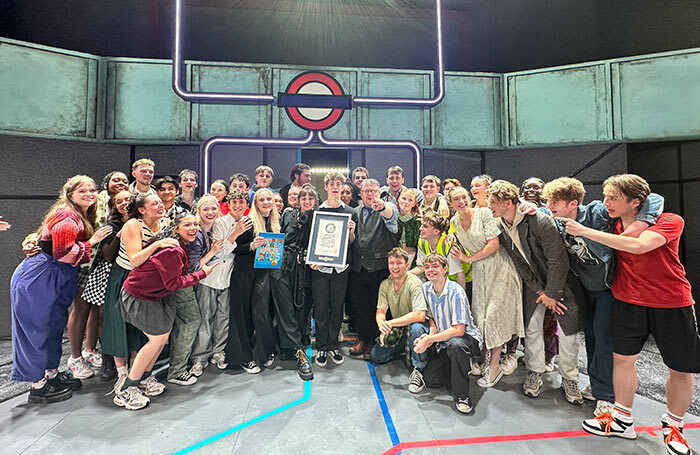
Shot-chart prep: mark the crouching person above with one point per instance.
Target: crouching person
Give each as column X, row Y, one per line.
column 402, row 296
column 148, row 303
column 452, row 331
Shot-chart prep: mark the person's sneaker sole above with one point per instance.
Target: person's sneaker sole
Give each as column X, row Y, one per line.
column 306, row 377
column 599, row 432
column 414, row 390
column 321, row 364
column 128, row 407
column 180, row 382
column 338, row 362
column 532, row 393
column 52, row 399
column 576, row 401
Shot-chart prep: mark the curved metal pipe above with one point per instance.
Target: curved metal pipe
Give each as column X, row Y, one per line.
column 383, row 144
column 204, row 166
column 205, row 97
column 439, row 75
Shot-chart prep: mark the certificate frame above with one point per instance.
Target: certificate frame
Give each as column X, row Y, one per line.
column 326, row 249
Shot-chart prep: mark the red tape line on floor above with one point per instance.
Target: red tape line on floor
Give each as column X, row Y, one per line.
column 513, row 437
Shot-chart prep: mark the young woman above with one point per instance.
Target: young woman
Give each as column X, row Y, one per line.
column 347, row 195
column 409, row 223
column 250, row 293
column 479, row 185
column 113, row 183
column 432, row 199
column 145, row 214
column 291, row 284
column 497, row 290
column 329, row 284
column 43, row 286
column 279, row 203
column 96, row 286
column 213, row 291
column 147, row 303
column 219, row 189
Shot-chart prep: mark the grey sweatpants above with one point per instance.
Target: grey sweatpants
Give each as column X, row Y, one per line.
column 213, row 330
column 184, row 331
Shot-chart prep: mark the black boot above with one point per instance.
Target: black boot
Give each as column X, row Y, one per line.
column 304, row 366
column 64, row 379
column 108, row 370
column 49, row 394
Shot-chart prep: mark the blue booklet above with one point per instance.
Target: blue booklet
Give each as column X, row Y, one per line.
column 269, row 255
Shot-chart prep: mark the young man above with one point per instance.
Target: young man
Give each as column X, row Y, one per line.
column 401, row 294
column 433, row 239
column 594, row 264
column 652, row 296
column 142, row 170
column 299, row 175
column 329, row 284
column 539, row 254
column 187, row 181
column 293, row 197
column 263, row 177
column 166, row 190
column 359, row 175
column 375, row 234
column 452, row 330
column 392, row 190
column 241, row 182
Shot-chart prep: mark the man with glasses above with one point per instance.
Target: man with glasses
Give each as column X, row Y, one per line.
column 375, row 234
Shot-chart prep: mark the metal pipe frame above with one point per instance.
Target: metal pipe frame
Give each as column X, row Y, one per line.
column 263, row 98
column 314, row 137
column 205, row 97
column 438, row 74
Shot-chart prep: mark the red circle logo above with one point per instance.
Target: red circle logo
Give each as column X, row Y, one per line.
column 319, row 117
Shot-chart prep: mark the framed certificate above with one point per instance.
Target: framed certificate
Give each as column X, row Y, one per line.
column 269, row 255
column 329, row 239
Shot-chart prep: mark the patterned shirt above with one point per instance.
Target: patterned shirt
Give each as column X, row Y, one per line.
column 450, row 308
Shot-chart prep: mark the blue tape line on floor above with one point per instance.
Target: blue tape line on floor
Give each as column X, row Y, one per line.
column 246, row 424
column 382, row 404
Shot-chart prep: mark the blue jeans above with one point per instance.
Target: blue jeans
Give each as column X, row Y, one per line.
column 382, row 354
column 598, row 344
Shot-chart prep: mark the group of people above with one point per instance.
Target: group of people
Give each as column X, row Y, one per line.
column 451, row 278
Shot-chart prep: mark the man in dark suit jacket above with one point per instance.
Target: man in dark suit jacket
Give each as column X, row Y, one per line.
column 540, row 256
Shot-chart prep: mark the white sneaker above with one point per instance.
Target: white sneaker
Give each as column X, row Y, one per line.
column 464, row 405
column 151, row 387
column 509, row 364
column 184, row 379
column 94, row 359
column 80, row 368
column 336, row 356
column 478, row 368
column 549, row 366
column 197, row 369
column 416, row 384
column 602, row 407
column 587, row 393
column 270, row 360
column 132, row 399
column 609, row 425
column 120, row 382
column 219, row 359
column 488, row 379
column 341, row 337
column 251, row 367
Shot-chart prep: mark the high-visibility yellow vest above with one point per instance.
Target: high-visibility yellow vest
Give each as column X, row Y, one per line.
column 442, row 251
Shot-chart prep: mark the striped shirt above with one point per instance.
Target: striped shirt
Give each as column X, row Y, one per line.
column 450, row 308
column 122, row 259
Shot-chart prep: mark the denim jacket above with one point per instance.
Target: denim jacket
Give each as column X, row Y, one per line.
column 595, row 215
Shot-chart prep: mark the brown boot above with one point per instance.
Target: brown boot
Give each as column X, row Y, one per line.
column 368, row 351
column 358, row 348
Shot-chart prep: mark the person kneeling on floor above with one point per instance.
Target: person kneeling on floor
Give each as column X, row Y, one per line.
column 452, row 330
column 401, row 295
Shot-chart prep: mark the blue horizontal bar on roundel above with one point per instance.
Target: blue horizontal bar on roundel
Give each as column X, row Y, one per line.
column 323, row 101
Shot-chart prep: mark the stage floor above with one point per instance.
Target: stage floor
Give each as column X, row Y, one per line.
column 354, row 408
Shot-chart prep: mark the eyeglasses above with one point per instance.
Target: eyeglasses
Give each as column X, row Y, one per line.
column 369, row 191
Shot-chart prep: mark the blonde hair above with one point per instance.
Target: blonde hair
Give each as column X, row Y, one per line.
column 631, row 186
column 65, row 201
column 415, row 209
column 142, row 162
column 263, row 168
column 504, row 191
column 256, row 216
column 565, row 189
column 200, row 203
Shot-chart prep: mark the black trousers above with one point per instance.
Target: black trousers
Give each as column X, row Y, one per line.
column 451, row 365
column 328, row 290
column 363, row 290
column 251, row 336
column 291, row 294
